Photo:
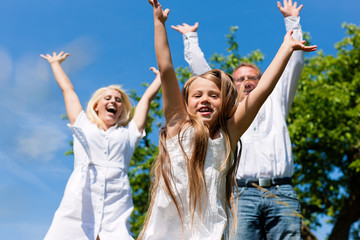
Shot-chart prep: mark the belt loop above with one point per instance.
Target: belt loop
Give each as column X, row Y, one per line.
column 246, row 183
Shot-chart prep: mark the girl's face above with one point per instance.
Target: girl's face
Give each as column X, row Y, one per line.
column 109, row 107
column 204, row 100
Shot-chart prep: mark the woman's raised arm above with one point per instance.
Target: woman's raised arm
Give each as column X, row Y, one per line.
column 72, row 103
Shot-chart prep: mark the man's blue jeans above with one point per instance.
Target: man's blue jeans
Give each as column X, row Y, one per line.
column 270, row 213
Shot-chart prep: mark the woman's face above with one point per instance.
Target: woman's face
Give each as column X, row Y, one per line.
column 204, row 100
column 109, row 107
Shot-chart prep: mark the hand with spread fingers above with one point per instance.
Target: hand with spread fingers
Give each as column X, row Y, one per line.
column 185, row 28
column 296, row 44
column 289, row 9
column 55, row 57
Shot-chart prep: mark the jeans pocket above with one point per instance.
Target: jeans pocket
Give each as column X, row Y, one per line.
column 286, row 191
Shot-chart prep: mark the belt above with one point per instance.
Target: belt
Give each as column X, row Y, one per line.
column 263, row 182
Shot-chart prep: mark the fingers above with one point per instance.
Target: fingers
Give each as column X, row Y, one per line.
column 166, row 12
column 177, row 28
column 55, row 57
column 300, row 7
column 196, row 26
column 289, row 33
column 309, row 48
column 285, row 3
column 154, row 70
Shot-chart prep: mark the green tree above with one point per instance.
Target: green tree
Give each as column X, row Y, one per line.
column 324, row 128
column 140, row 164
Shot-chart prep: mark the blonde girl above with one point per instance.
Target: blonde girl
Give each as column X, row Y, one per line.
column 195, row 171
column 97, row 202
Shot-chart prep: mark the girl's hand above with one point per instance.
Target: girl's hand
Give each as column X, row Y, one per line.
column 155, row 71
column 157, row 80
column 296, row 44
column 55, row 57
column 160, row 14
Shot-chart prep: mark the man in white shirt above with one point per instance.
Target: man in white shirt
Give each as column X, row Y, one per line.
column 266, row 157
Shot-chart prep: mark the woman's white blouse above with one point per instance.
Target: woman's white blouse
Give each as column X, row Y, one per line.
column 210, row 223
column 97, row 198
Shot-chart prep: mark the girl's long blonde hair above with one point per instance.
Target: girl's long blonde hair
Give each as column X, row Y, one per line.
column 125, row 116
column 195, row 161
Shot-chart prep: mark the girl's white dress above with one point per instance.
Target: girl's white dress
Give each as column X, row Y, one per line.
column 210, row 223
column 97, row 198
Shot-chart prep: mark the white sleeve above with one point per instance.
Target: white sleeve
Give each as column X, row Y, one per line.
column 193, row 54
column 286, row 87
column 134, row 134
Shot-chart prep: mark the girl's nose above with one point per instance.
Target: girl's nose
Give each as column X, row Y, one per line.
column 205, row 98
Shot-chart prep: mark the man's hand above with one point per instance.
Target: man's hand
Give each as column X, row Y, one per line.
column 289, row 8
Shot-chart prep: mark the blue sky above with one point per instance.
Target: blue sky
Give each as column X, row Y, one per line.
column 110, row 42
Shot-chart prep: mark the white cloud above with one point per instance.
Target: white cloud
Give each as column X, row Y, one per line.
column 5, row 67
column 12, row 166
column 41, row 142
column 31, row 82
column 83, row 52
column 30, row 103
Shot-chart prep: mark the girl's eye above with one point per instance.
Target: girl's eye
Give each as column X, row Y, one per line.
column 118, row 100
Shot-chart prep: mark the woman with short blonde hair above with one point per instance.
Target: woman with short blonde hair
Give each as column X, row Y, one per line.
column 97, row 202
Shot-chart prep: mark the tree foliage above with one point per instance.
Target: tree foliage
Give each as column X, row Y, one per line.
column 140, row 164
column 324, row 128
column 229, row 62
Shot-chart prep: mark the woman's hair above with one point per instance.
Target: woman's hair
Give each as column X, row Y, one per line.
column 195, row 161
column 94, row 100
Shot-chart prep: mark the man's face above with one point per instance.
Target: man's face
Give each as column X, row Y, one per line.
column 246, row 80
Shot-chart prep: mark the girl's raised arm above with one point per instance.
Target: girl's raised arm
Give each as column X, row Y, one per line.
column 142, row 108
column 172, row 100
column 249, row 107
column 72, row 103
